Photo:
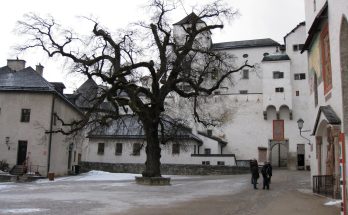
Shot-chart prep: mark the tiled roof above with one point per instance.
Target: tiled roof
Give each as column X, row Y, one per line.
column 189, row 19
column 130, row 127
column 277, row 57
column 25, row 79
column 218, row 139
column 245, row 44
column 28, row 80
column 330, row 115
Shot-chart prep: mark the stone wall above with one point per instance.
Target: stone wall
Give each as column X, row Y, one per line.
column 166, row 169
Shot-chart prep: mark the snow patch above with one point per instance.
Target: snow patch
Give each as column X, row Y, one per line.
column 333, row 202
column 106, row 176
column 6, row 186
column 22, row 210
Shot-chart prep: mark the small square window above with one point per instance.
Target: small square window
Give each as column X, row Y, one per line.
column 278, row 75
column 176, row 148
column 300, row 76
column 279, row 89
column 243, row 91
column 205, row 162
column 207, row 151
column 136, row 148
column 295, row 48
column 118, row 148
column 25, row 116
column 101, row 147
column 221, row 163
column 297, row 93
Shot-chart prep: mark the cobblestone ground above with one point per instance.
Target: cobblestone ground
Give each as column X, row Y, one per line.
column 289, row 194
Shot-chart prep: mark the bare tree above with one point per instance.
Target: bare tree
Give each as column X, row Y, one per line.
column 186, row 66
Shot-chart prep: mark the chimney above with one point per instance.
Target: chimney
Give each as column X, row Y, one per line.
column 39, row 69
column 16, row 64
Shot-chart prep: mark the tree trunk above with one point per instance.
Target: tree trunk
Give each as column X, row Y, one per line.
column 153, row 151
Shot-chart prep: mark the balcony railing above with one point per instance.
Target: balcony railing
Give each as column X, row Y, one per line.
column 324, row 185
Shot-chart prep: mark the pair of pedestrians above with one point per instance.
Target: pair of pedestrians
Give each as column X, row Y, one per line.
column 266, row 172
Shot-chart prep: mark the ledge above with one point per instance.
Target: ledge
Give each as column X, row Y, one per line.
column 156, row 181
column 212, row 155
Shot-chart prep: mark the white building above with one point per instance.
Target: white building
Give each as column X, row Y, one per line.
column 327, row 48
column 30, row 109
column 260, row 106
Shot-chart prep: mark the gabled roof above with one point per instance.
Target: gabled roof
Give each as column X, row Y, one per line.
column 329, row 114
column 218, row 139
column 276, row 57
column 85, row 94
column 130, row 127
column 245, row 44
column 322, row 15
column 189, row 19
column 28, row 80
column 25, row 79
column 293, row 30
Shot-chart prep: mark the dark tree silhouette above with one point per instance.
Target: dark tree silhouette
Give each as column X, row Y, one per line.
column 184, row 65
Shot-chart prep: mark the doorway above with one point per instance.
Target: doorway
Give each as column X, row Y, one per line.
column 300, row 156
column 279, row 153
column 22, row 152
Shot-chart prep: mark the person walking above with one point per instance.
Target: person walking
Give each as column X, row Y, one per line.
column 254, row 167
column 266, row 172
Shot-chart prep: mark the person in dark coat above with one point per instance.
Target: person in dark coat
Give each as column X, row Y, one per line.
column 254, row 168
column 266, row 172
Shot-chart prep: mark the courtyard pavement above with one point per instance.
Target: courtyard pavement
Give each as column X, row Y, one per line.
column 85, row 194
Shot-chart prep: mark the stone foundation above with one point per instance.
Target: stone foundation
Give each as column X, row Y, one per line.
column 158, row 181
column 166, row 169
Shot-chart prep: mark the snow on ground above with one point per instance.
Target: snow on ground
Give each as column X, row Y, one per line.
column 95, row 175
column 22, row 210
column 333, row 202
column 6, row 185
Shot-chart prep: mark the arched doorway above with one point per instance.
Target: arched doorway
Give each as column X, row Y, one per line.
column 344, row 69
column 279, row 153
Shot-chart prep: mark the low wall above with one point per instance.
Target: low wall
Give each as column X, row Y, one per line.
column 166, row 169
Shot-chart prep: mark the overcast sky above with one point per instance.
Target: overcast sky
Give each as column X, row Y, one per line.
column 258, row 19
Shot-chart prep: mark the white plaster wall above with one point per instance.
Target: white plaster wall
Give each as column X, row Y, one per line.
column 34, row 131
column 60, row 142
column 167, row 157
column 213, row 145
column 11, row 104
column 337, row 9
column 271, row 97
column 254, row 83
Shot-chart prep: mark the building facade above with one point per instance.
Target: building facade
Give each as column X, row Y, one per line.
column 327, row 48
column 32, row 109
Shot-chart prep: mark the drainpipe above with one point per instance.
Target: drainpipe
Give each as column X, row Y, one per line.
column 50, row 136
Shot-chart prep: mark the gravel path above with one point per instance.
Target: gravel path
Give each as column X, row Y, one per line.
column 202, row 195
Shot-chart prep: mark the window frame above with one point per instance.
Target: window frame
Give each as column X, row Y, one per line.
column 25, row 115
column 118, row 148
column 175, row 148
column 279, row 89
column 245, row 74
column 278, row 75
column 101, row 148
column 136, row 149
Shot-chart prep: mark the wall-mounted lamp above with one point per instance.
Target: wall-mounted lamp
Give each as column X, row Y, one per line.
column 7, row 142
column 300, row 126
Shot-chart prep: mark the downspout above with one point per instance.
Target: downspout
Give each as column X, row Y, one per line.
column 50, row 136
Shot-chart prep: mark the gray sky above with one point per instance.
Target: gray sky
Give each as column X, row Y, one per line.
column 258, row 19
